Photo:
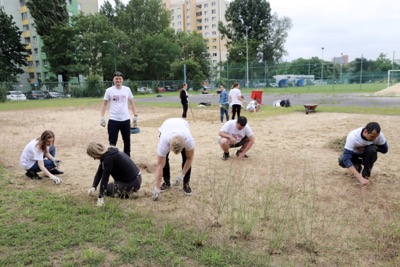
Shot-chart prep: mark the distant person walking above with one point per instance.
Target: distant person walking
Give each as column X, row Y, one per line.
column 224, row 103
column 184, row 100
column 236, row 99
column 119, row 119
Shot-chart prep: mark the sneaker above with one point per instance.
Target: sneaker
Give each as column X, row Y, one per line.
column 178, row 181
column 225, row 156
column 33, row 175
column 56, row 171
column 238, row 152
column 155, row 194
column 165, row 187
column 187, row 189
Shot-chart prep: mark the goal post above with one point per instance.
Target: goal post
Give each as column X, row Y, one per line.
column 390, row 72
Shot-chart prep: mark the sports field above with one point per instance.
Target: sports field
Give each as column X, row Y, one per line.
column 289, row 198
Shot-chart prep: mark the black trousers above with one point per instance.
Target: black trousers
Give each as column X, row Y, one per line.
column 185, row 109
column 236, row 110
column 114, row 127
column 123, row 190
column 367, row 159
column 166, row 170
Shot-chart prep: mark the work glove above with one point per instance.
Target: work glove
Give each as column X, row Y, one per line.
column 102, row 122
column 100, row 202
column 155, row 194
column 56, row 180
column 56, row 162
column 178, row 180
column 135, row 120
column 91, row 191
column 220, row 106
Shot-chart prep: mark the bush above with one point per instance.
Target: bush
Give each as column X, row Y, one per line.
column 94, row 86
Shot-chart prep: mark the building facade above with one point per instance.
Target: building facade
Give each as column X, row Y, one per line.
column 38, row 68
column 201, row 16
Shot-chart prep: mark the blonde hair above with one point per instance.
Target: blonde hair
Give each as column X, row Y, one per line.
column 96, row 150
column 176, row 144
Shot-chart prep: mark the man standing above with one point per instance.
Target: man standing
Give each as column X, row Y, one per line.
column 176, row 137
column 223, row 104
column 361, row 148
column 119, row 118
column 236, row 134
column 183, row 95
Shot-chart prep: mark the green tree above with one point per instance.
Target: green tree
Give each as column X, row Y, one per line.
column 13, row 53
column 382, row 63
column 266, row 33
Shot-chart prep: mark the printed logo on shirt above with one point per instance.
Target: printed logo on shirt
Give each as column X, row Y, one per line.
column 119, row 98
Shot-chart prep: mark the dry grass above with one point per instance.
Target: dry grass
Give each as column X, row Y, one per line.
column 290, row 199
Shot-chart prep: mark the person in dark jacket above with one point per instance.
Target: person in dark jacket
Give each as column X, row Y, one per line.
column 184, row 100
column 127, row 176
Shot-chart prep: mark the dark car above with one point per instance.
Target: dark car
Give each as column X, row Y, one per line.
column 35, row 94
column 172, row 88
column 53, row 94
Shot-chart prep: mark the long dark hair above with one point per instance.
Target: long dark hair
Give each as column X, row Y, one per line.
column 43, row 138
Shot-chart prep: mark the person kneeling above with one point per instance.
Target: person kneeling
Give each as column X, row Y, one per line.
column 127, row 176
column 253, row 106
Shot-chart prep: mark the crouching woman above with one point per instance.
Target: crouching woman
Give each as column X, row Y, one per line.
column 126, row 175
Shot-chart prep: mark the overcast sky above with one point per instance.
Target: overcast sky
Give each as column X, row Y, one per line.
column 351, row 27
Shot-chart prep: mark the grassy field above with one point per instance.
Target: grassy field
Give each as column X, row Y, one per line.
column 39, row 228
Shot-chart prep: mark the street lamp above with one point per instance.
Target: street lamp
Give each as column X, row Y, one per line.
column 322, row 65
column 115, row 59
column 247, row 52
column 341, row 66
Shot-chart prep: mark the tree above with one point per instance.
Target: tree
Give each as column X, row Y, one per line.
column 13, row 53
column 266, row 33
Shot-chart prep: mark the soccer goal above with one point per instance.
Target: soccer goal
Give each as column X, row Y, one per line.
column 390, row 74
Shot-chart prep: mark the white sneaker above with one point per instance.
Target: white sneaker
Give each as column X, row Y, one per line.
column 155, row 194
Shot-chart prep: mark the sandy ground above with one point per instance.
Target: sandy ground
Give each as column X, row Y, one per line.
column 294, row 150
column 390, row 91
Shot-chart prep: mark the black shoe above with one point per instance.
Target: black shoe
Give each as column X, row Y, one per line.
column 225, row 156
column 165, row 187
column 56, row 171
column 240, row 151
column 187, row 189
column 33, row 175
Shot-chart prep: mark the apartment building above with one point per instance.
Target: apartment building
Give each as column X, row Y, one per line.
column 201, row 16
column 38, row 68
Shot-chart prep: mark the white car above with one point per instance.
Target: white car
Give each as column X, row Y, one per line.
column 15, row 95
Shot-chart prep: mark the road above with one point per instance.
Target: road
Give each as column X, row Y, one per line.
column 329, row 99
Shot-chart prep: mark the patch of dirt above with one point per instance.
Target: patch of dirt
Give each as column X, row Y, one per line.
column 390, row 91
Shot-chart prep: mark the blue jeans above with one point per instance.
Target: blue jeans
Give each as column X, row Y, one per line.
column 48, row 164
column 114, row 127
column 224, row 111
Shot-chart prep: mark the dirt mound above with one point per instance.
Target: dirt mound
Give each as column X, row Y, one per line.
column 390, row 91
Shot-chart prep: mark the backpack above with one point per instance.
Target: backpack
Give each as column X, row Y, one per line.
column 285, row 103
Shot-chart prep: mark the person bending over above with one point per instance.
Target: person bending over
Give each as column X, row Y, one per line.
column 176, row 137
column 39, row 155
column 360, row 150
column 236, row 134
column 126, row 175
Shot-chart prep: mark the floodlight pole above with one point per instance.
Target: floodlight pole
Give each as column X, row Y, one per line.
column 322, row 65
column 247, row 52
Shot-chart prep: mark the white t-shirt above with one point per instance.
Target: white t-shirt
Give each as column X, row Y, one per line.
column 355, row 143
column 171, row 127
column 230, row 128
column 118, row 99
column 235, row 95
column 31, row 154
column 251, row 106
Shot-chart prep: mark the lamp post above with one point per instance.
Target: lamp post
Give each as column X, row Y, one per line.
column 247, row 52
column 341, row 66
column 115, row 58
column 322, row 65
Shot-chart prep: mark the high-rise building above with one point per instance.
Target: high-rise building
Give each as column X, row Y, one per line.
column 201, row 16
column 38, row 68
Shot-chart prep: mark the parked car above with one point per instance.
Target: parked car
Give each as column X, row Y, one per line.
column 144, row 90
column 171, row 88
column 35, row 94
column 161, row 89
column 15, row 95
column 52, row 94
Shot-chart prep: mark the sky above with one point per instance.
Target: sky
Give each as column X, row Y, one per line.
column 356, row 28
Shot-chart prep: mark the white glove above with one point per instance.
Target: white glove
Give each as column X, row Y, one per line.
column 155, row 194
column 91, row 191
column 56, row 162
column 102, row 122
column 134, row 122
column 100, row 202
column 178, row 180
column 220, row 105
column 56, row 180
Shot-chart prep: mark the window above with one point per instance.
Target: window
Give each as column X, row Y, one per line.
column 198, row 14
column 24, row 15
column 179, row 16
column 213, row 11
column 214, row 18
column 214, row 26
column 213, row 3
column 205, row 5
column 36, row 51
column 69, row 2
column 214, row 47
column 45, row 62
column 31, row 75
column 206, row 20
column 214, row 54
column 205, row 13
column 206, row 27
column 214, row 33
column 30, row 63
column 38, row 75
column 179, row 23
column 79, row 7
column 199, row 28
column 46, row 75
column 199, row 21
column 26, row 28
column 34, row 39
column 214, row 40
column 27, row 40
column 172, row 17
column 37, row 63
